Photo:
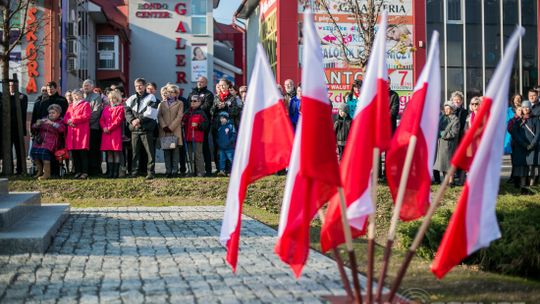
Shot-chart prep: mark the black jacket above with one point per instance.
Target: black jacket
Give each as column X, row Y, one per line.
column 394, row 109
column 526, row 142
column 208, row 102
column 342, row 126
column 23, row 99
column 46, row 101
column 142, row 107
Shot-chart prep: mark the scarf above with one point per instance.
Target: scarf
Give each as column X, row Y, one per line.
column 223, row 95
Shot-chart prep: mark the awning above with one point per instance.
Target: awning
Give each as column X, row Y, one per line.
column 227, row 66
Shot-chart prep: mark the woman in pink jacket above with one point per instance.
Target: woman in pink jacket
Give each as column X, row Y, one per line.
column 77, row 119
column 111, row 122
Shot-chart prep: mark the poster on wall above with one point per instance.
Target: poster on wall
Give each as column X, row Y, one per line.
column 199, row 61
column 399, row 45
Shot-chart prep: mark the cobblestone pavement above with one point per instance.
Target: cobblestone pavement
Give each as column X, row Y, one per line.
column 159, row 255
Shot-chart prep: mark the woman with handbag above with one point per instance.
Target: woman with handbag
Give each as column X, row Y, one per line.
column 111, row 122
column 170, row 113
column 47, row 139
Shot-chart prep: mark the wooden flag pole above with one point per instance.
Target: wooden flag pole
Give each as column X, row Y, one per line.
column 395, row 216
column 350, row 249
column 421, row 232
column 371, row 225
column 339, row 261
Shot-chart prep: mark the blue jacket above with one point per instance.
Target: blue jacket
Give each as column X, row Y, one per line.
column 226, row 136
column 294, row 110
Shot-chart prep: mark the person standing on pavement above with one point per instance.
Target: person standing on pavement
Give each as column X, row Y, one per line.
column 170, row 113
column 208, row 101
column 461, row 113
column 141, row 114
column 77, row 119
column 18, row 133
column 447, row 141
column 535, row 104
column 294, row 107
column 112, row 122
column 96, row 104
column 290, row 92
column 394, row 107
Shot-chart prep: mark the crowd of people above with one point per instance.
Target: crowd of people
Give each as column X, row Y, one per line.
column 88, row 126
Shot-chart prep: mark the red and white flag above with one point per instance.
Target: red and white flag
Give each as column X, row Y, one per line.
column 420, row 119
column 370, row 128
column 474, row 224
column 313, row 175
column 263, row 147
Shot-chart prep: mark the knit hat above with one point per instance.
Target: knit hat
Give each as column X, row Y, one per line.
column 450, row 104
column 526, row 104
column 224, row 114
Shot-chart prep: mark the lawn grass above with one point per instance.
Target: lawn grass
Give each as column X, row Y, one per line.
column 464, row 283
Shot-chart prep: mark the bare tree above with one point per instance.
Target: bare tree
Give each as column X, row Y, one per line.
column 13, row 33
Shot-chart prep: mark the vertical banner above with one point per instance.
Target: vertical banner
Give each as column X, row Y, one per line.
column 199, row 61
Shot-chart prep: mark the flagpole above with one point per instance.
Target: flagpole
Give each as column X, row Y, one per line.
column 395, row 216
column 371, row 225
column 339, row 261
column 421, row 232
column 348, row 242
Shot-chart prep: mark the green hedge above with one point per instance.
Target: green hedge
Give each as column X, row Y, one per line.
column 517, row 252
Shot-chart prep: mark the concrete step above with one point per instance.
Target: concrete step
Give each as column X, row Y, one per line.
column 34, row 232
column 3, row 186
column 16, row 205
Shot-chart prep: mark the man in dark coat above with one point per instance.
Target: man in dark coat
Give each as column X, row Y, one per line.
column 457, row 98
column 52, row 98
column 394, row 107
column 17, row 134
column 535, row 105
column 96, row 104
column 208, row 102
column 36, row 111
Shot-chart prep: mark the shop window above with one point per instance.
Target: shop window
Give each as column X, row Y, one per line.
column 198, row 17
column 107, row 49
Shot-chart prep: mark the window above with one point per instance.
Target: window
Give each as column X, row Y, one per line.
column 198, row 17
column 453, row 13
column 108, row 49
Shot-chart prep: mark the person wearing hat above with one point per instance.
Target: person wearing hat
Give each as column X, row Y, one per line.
column 226, row 140
column 342, row 126
column 526, row 150
column 447, row 141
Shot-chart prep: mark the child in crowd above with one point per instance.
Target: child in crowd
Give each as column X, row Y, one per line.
column 226, row 141
column 111, row 122
column 342, row 126
column 47, row 140
column 195, row 123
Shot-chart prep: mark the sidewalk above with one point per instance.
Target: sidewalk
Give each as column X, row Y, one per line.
column 160, row 255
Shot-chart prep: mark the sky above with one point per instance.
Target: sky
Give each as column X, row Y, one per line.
column 225, row 11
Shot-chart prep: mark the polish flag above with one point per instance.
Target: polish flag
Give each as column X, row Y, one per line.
column 370, row 129
column 420, row 119
column 474, row 224
column 313, row 175
column 263, row 147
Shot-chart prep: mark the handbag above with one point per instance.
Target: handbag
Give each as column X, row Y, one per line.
column 168, row 142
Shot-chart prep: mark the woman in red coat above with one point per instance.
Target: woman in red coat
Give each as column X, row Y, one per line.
column 77, row 119
column 111, row 122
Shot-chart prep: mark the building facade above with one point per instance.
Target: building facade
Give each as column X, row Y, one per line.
column 472, row 38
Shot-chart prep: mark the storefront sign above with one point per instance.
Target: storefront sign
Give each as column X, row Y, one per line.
column 180, row 9
column 31, row 51
column 153, row 10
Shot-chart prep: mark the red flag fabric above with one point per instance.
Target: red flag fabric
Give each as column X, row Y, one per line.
column 263, row 147
column 420, row 119
column 370, row 128
column 313, row 175
column 474, row 224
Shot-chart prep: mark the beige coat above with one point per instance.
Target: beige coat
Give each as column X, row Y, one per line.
column 171, row 116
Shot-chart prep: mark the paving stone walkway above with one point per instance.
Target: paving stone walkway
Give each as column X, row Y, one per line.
column 159, row 255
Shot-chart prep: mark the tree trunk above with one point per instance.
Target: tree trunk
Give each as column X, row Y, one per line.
column 6, row 105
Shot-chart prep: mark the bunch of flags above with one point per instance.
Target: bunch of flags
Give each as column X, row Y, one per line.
column 266, row 144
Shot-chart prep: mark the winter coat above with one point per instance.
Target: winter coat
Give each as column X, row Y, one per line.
column 535, row 109
column 230, row 106
column 510, row 113
column 49, row 135
column 142, row 107
column 78, row 137
column 23, row 101
column 447, row 142
column 461, row 113
column 394, row 109
column 294, row 110
column 96, row 104
column 112, row 118
column 342, row 126
column 195, row 133
column 226, row 138
column 526, row 132
column 171, row 116
column 351, row 101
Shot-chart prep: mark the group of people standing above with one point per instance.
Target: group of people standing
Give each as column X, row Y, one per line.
column 89, row 126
